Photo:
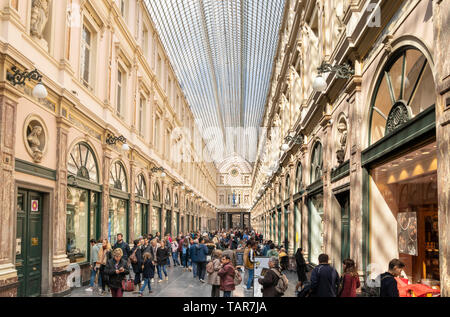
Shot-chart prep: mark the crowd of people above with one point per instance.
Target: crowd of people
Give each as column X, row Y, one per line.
column 213, row 256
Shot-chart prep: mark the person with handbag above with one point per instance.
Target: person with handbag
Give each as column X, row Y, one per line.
column 104, row 254
column 116, row 269
column 213, row 268
column 162, row 254
column 226, row 274
column 175, row 252
column 349, row 282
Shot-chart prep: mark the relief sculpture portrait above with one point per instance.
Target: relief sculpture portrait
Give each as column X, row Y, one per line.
column 39, row 17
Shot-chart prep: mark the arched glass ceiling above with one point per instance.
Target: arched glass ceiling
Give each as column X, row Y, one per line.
column 222, row 53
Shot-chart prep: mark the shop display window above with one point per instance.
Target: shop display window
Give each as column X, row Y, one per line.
column 316, row 227
column 408, row 186
column 77, row 225
column 117, row 221
column 156, row 220
column 137, row 224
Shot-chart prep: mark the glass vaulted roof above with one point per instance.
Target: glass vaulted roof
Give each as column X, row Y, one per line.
column 222, row 52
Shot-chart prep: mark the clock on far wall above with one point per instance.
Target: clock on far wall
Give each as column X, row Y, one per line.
column 234, row 172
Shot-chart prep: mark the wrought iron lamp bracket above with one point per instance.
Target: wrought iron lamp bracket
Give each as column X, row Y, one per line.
column 157, row 169
column 18, row 78
column 111, row 140
column 344, row 71
column 296, row 139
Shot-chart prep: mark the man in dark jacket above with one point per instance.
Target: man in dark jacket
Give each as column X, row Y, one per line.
column 122, row 245
column 388, row 283
column 202, row 252
column 324, row 279
column 193, row 255
column 270, row 279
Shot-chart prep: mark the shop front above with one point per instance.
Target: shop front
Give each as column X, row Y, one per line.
column 401, row 165
column 83, row 207
column 156, row 214
column 140, row 219
column 118, row 203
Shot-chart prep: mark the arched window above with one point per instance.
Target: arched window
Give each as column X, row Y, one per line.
column 168, row 200
column 175, row 200
column 298, row 178
column 316, row 162
column 82, row 162
column 141, row 187
column 404, row 89
column 118, row 177
column 187, row 205
column 287, row 187
column 156, row 193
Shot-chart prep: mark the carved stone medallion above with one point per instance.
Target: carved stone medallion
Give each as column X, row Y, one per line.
column 35, row 137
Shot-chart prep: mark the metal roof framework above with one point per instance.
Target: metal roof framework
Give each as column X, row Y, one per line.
column 222, row 52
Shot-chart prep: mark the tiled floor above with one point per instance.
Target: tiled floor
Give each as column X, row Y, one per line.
column 182, row 284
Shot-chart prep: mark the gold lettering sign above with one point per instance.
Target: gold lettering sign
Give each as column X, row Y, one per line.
column 34, row 241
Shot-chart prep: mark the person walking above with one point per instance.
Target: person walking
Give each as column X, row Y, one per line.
column 270, row 279
column 250, row 263
column 324, row 279
column 148, row 271
column 154, row 253
column 226, row 274
column 193, row 256
column 122, row 245
column 350, row 279
column 162, row 255
column 117, row 269
column 95, row 247
column 184, row 254
column 104, row 254
column 175, row 252
column 388, row 287
column 301, row 268
column 213, row 277
column 202, row 252
column 136, row 264
column 284, row 259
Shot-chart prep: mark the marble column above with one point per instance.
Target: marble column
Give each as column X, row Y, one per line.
column 59, row 257
column 150, row 204
column 329, row 246
column 291, row 224
column 105, row 201
column 441, row 24
column 163, row 207
column 8, row 118
column 132, row 209
column 283, row 208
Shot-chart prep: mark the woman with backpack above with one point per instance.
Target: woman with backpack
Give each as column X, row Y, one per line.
column 271, row 278
column 104, row 254
column 116, row 269
column 162, row 255
column 148, row 272
column 213, row 268
column 227, row 274
column 350, row 280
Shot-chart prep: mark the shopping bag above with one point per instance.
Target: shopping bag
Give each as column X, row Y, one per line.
column 128, row 285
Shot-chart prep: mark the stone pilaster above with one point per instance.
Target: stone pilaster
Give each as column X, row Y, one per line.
column 105, row 201
column 329, row 246
column 59, row 257
column 150, row 204
column 8, row 119
column 163, row 207
column 132, row 209
column 441, row 22
column 291, row 225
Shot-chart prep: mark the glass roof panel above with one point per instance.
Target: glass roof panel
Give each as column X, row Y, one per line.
column 222, row 53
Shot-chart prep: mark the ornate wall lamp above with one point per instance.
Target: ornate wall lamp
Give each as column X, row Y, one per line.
column 298, row 139
column 159, row 169
column 18, row 78
column 111, row 140
column 343, row 71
